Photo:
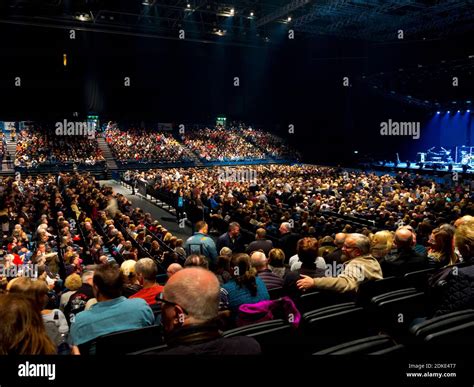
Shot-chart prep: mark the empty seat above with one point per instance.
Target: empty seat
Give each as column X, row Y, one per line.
column 128, row 341
column 394, row 311
column 319, row 299
column 423, row 329
column 364, row 346
column 419, row 279
column 274, row 337
column 459, row 335
column 333, row 325
column 370, row 289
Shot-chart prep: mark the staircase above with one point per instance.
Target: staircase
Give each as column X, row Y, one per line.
column 10, row 149
column 188, row 152
column 109, row 158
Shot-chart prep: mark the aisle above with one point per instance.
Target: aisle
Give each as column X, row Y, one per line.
column 165, row 218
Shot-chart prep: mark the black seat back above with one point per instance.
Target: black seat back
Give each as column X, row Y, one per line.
column 419, row 279
column 440, row 323
column 129, row 341
column 370, row 289
column 319, row 299
column 275, row 293
column 363, row 346
column 332, row 326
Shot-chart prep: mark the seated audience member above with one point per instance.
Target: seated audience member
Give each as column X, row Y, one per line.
column 307, row 252
column 295, row 261
column 79, row 299
column 336, row 254
column 288, row 240
column 406, row 259
column 440, row 252
column 73, row 282
column 173, row 269
column 112, row 313
column 260, row 263
column 16, row 313
column 245, row 287
column 276, row 262
column 326, row 246
column 223, row 269
column 225, row 251
column 381, row 244
column 54, row 320
column 190, row 304
column 457, row 293
column 260, row 243
column 131, row 283
column 231, row 239
column 197, row 260
column 146, row 272
column 359, row 267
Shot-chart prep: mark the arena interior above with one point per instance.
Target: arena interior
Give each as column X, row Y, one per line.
column 257, row 178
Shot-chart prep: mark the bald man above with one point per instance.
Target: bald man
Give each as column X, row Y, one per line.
column 173, row 269
column 189, row 310
column 260, row 262
column 336, row 255
column 406, row 259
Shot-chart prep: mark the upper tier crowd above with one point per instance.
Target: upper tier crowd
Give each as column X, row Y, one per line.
column 37, row 146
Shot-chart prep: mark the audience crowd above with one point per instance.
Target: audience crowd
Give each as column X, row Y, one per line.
column 37, row 146
column 294, row 229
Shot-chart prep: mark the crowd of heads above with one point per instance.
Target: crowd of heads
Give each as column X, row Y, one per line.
column 37, row 146
column 144, row 146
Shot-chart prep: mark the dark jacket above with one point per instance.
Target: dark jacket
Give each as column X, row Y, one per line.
column 406, row 261
column 225, row 241
column 206, row 339
column 260, row 244
column 335, row 256
column 288, row 244
column 293, row 276
column 456, row 292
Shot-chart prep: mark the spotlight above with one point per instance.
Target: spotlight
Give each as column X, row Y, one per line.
column 437, row 112
column 459, row 111
column 232, row 11
column 468, row 111
column 145, row 2
column 289, row 19
column 448, row 111
column 188, row 5
column 251, row 14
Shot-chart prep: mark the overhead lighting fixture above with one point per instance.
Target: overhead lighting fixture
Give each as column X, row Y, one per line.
column 83, row 17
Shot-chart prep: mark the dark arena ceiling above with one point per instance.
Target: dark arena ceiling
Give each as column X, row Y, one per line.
column 248, row 21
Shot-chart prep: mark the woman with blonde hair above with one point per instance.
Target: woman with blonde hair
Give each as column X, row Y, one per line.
column 380, row 244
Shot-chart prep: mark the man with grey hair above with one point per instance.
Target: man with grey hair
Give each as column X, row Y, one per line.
column 260, row 262
column 147, row 271
column 189, row 310
column 359, row 266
